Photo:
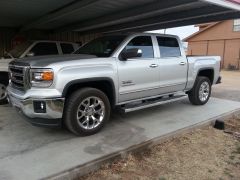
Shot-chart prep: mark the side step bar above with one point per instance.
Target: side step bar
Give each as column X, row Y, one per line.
column 150, row 103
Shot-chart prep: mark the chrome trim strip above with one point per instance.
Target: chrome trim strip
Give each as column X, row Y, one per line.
column 141, row 90
column 16, row 66
column 17, row 74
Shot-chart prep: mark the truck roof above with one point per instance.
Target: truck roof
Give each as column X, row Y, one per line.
column 145, row 33
column 52, row 41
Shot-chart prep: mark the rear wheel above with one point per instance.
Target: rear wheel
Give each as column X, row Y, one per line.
column 201, row 91
column 3, row 90
column 87, row 110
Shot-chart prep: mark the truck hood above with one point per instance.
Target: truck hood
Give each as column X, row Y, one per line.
column 5, row 60
column 43, row 61
column 4, row 64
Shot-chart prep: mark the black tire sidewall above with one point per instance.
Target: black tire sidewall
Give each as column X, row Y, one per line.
column 194, row 95
column 79, row 96
column 4, row 81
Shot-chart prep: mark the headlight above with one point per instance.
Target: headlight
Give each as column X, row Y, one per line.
column 41, row 77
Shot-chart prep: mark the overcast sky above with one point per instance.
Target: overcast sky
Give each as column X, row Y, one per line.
column 182, row 32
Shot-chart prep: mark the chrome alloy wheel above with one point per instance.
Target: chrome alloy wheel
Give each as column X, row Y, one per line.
column 204, row 91
column 3, row 92
column 91, row 113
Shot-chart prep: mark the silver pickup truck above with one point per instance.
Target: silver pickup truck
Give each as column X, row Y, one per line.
column 124, row 72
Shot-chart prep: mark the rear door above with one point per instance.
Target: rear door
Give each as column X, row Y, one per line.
column 139, row 77
column 172, row 64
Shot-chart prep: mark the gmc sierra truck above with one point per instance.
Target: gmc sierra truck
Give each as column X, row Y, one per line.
column 27, row 49
column 124, row 72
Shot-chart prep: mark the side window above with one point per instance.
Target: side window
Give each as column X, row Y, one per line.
column 144, row 43
column 67, row 48
column 169, row 47
column 44, row 48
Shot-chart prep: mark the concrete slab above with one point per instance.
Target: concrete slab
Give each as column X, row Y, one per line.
column 28, row 152
column 230, row 86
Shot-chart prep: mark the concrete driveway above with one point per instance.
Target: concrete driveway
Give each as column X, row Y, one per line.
column 28, row 152
column 230, row 86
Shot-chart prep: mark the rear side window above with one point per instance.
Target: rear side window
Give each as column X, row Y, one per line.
column 67, row 48
column 44, row 48
column 144, row 43
column 168, row 47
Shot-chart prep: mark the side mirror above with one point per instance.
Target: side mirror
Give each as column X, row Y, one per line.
column 30, row 54
column 131, row 53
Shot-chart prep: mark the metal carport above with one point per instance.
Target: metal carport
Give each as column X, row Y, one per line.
column 76, row 18
column 112, row 16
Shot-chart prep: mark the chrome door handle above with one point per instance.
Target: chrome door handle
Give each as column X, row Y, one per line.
column 182, row 63
column 153, row 66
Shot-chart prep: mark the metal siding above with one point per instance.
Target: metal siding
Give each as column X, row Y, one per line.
column 7, row 35
column 18, row 12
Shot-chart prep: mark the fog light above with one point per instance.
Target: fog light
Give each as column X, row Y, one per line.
column 39, row 106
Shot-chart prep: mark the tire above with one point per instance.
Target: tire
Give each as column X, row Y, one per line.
column 201, row 91
column 86, row 111
column 3, row 87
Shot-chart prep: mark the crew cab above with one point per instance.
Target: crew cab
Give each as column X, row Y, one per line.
column 124, row 72
column 29, row 49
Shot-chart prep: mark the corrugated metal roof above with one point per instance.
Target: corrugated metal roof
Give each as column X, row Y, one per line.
column 109, row 15
column 15, row 13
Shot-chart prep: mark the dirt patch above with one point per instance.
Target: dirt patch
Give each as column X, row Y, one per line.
column 205, row 153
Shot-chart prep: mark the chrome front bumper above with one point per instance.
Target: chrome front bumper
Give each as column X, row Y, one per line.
column 53, row 109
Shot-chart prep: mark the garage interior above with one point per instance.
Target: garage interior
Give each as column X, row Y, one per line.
column 81, row 21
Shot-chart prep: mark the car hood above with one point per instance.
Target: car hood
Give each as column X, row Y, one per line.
column 43, row 61
column 2, row 60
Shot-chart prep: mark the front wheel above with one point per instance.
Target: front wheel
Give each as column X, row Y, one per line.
column 3, row 90
column 201, row 91
column 87, row 110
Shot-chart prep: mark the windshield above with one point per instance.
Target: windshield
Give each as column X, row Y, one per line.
column 101, row 47
column 20, row 49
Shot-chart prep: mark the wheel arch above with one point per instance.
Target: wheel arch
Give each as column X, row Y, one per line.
column 206, row 72
column 104, row 84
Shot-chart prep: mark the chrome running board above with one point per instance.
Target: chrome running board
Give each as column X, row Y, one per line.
column 150, row 103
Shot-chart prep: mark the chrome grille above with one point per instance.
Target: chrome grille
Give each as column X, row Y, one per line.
column 18, row 76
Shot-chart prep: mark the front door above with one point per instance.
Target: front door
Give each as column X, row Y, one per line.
column 139, row 77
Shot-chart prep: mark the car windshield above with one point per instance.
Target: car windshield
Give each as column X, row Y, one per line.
column 20, row 49
column 101, row 47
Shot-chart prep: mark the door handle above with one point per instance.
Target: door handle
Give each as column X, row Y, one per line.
column 182, row 63
column 153, row 66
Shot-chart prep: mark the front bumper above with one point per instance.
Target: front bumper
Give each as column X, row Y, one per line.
column 50, row 115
